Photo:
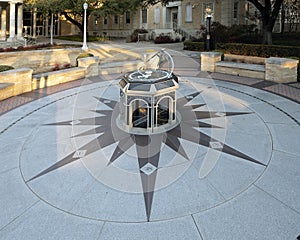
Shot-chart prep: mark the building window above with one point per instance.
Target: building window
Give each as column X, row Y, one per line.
column 144, row 16
column 127, row 17
column 247, row 6
column 235, row 9
column 116, row 19
column 188, row 13
column 96, row 20
column 157, row 15
column 105, row 21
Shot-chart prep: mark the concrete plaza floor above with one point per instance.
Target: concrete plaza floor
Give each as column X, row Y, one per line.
column 229, row 170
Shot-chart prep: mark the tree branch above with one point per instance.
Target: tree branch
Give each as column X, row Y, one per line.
column 257, row 4
column 275, row 12
column 73, row 21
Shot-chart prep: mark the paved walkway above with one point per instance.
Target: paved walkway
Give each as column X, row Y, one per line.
column 228, row 170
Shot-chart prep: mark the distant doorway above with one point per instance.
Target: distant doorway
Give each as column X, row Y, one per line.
column 174, row 20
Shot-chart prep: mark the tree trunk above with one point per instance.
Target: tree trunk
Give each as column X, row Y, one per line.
column 51, row 30
column 76, row 23
column 282, row 18
column 269, row 13
column 267, row 37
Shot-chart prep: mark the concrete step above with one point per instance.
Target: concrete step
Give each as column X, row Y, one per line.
column 6, row 90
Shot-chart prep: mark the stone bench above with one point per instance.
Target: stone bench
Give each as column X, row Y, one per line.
column 280, row 70
column 241, row 69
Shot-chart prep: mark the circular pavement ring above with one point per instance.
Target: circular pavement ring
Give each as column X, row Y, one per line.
column 76, row 162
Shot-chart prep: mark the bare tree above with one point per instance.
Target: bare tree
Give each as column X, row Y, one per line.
column 269, row 11
column 290, row 15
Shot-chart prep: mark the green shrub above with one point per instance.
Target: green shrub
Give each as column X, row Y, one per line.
column 259, row 50
column 78, row 38
column 193, row 46
column 234, row 34
column 84, row 55
column 5, row 68
column 286, row 38
column 298, row 71
column 162, row 38
column 134, row 35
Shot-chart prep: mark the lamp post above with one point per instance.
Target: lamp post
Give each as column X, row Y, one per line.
column 84, row 46
column 208, row 23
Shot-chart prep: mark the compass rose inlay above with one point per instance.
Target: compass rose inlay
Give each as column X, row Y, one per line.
column 148, row 147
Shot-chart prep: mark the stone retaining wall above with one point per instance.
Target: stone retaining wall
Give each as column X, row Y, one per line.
column 22, row 80
column 41, row 61
column 91, row 64
column 6, row 90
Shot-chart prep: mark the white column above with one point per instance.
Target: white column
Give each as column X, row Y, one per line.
column 34, row 23
column 141, row 18
column 164, row 17
column 179, row 16
column 20, row 22
column 3, row 24
column 12, row 21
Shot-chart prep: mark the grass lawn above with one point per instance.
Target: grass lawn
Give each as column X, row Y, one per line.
column 286, row 39
column 78, row 38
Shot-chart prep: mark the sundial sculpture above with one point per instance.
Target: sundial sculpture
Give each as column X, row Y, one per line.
column 148, row 96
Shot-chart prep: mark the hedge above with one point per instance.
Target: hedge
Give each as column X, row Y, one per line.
column 257, row 50
column 194, row 46
column 136, row 32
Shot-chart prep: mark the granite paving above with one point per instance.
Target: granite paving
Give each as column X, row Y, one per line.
column 229, row 170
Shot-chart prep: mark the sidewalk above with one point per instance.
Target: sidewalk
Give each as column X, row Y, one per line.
column 228, row 170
